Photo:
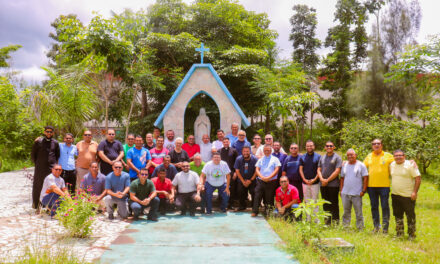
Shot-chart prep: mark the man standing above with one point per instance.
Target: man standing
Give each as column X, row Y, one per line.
column 241, row 142
column 53, row 188
column 178, row 155
column 156, row 134
column 110, row 151
column 129, row 144
column 87, row 151
column 329, row 167
column 68, row 152
column 188, row 194
column 143, row 195
column 149, row 142
column 378, row 163
column 291, row 169
column 138, row 158
column 191, row 147
column 267, row 171
column 245, row 170
column 268, row 140
column 169, row 141
column 45, row 153
column 157, row 154
column 229, row 155
column 287, row 198
column 117, row 185
column 233, row 136
column 257, row 144
column 405, row 180
column 281, row 156
column 354, row 182
column 94, row 184
column 216, row 175
column 218, row 144
column 206, row 148
column 308, row 169
column 164, row 190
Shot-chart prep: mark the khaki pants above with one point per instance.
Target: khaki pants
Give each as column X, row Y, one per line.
column 80, row 173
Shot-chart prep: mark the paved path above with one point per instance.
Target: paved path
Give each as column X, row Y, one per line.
column 220, row 238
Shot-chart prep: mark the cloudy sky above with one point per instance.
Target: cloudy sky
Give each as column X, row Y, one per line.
column 27, row 22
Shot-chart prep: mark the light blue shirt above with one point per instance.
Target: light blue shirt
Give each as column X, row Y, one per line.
column 67, row 156
column 268, row 165
column 139, row 158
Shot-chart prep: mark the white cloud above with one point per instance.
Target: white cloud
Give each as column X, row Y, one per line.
column 33, row 74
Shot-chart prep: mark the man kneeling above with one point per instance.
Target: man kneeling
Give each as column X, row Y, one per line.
column 117, row 185
column 164, row 190
column 188, row 194
column 54, row 187
column 287, row 198
column 143, row 195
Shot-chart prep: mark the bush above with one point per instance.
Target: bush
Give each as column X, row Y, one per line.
column 311, row 228
column 77, row 214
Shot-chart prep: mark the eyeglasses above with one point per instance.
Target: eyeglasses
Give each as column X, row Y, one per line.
column 241, row 135
column 49, row 132
column 111, row 134
column 68, row 138
column 87, row 135
column 267, row 139
column 398, row 155
column 329, row 146
column 144, row 174
column 293, row 148
column 376, row 144
column 118, row 167
column 257, row 138
column 283, row 181
column 185, row 166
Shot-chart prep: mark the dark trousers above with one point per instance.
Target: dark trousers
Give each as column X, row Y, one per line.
column 69, row 177
column 266, row 190
column 185, row 201
column 331, row 194
column 299, row 186
column 242, row 193
column 164, row 205
column 233, row 190
column 52, row 202
column 37, row 184
column 138, row 208
column 404, row 205
column 383, row 193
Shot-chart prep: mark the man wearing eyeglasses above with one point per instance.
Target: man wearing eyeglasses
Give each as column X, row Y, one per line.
column 129, row 144
column 290, row 169
column 188, row 195
column 117, row 185
column 268, row 140
column 287, row 198
column 378, row 163
column 53, row 188
column 87, row 151
column 138, row 158
column 308, row 169
column 45, row 153
column 143, row 195
column 68, row 152
column 110, row 151
column 256, row 145
column 329, row 167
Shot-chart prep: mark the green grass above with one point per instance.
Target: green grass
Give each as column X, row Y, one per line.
column 8, row 164
column 42, row 255
column 376, row 248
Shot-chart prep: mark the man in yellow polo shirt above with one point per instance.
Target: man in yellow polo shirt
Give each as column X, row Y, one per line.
column 406, row 181
column 378, row 163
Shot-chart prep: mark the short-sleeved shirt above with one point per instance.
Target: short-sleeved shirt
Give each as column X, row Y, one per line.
column 198, row 170
column 310, row 165
column 86, row 153
column 281, row 156
column 139, row 158
column 232, row 138
column 291, row 167
column 254, row 149
column 67, row 156
column 218, row 144
column 238, row 145
column 142, row 191
column 378, row 169
column 403, row 178
column 289, row 195
column 150, row 147
column 169, row 145
column 191, row 150
column 267, row 165
column 94, row 186
column 171, row 171
column 157, row 157
column 49, row 181
column 126, row 148
column 328, row 165
column 166, row 186
column 186, row 182
column 353, row 175
column 117, row 183
column 246, row 167
column 177, row 157
column 216, row 173
column 111, row 150
column 206, row 151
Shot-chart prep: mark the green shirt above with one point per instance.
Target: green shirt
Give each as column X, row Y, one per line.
column 193, row 167
column 142, row 191
column 126, row 149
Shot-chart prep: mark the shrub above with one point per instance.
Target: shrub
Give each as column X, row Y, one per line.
column 311, row 228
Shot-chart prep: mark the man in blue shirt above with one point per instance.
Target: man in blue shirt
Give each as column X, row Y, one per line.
column 308, row 169
column 281, row 156
column 94, row 184
column 246, row 172
column 267, row 173
column 138, row 158
column 117, row 185
column 68, row 152
column 241, row 142
column 290, row 169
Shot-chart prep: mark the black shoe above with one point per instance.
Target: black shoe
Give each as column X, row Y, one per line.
column 192, row 214
column 183, row 213
column 111, row 216
column 240, row 209
column 154, row 219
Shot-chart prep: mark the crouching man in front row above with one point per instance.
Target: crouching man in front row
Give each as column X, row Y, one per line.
column 54, row 187
column 142, row 195
column 287, row 198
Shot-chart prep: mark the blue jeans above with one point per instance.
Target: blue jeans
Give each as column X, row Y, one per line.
column 383, row 193
column 209, row 190
column 138, row 208
column 52, row 202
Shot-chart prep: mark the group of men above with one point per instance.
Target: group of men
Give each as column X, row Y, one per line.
column 164, row 173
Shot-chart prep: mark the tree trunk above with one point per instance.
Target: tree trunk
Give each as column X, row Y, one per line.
column 267, row 121
column 282, row 130
column 131, row 109
column 144, row 104
column 311, row 121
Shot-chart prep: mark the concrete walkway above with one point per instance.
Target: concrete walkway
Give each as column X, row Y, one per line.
column 220, row 238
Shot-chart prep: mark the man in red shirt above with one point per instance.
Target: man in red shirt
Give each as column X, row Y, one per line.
column 164, row 190
column 191, row 147
column 287, row 198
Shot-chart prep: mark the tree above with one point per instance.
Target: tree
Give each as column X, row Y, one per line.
column 4, row 54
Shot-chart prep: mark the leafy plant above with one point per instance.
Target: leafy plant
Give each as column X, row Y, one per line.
column 312, row 223
column 76, row 214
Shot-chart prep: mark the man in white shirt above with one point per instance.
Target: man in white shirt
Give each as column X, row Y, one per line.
column 54, row 187
column 218, row 144
column 169, row 143
column 185, row 184
column 206, row 148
